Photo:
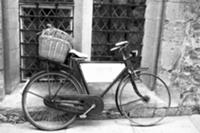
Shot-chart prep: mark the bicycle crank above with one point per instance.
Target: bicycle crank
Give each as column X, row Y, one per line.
column 83, row 105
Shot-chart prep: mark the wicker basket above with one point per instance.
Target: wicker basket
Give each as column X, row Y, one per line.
column 54, row 44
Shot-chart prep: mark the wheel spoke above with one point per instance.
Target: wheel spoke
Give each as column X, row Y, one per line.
column 36, row 94
column 49, row 86
column 57, row 91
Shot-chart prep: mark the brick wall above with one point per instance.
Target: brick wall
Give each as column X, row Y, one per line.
column 179, row 59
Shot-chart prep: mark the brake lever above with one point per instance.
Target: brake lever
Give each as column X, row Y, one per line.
column 134, row 53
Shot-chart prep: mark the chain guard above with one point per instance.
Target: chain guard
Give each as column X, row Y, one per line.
column 77, row 104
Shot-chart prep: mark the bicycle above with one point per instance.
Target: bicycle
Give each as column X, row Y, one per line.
column 53, row 99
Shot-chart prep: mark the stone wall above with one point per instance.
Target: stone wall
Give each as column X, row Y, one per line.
column 179, row 59
column 152, row 28
column 11, row 44
column 1, row 57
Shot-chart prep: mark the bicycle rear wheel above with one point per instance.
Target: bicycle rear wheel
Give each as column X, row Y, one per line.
column 134, row 108
column 41, row 86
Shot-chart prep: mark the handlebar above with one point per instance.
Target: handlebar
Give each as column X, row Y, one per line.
column 120, row 46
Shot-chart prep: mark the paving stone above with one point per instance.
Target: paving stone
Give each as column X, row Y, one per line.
column 170, row 125
column 195, row 119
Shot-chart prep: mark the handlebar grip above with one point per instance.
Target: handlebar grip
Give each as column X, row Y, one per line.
column 121, row 43
column 114, row 48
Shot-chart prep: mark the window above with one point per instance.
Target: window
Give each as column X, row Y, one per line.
column 116, row 20
column 34, row 16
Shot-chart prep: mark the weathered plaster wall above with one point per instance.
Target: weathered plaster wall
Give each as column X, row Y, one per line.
column 179, row 59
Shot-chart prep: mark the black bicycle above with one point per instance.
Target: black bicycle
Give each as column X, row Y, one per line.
column 53, row 99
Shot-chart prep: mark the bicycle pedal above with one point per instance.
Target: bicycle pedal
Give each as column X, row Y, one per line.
column 84, row 115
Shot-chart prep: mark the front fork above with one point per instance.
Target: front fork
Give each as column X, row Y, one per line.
column 132, row 76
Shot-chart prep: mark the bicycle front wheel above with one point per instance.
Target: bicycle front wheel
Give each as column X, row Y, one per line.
column 38, row 89
column 136, row 109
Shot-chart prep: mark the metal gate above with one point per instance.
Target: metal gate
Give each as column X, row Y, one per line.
column 34, row 16
column 117, row 20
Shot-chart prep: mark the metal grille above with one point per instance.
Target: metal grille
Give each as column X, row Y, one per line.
column 47, row 1
column 117, row 20
column 34, row 16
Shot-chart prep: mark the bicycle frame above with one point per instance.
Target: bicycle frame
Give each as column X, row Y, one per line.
column 75, row 65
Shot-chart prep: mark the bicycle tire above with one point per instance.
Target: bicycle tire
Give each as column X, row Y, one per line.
column 42, row 85
column 137, row 111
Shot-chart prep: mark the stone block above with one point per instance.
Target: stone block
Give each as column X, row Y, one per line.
column 1, row 59
column 149, row 53
column 11, row 19
column 153, row 1
column 2, row 91
column 1, row 21
column 151, row 27
column 11, row 39
column 0, row 15
column 11, row 4
column 12, row 70
column 174, row 11
column 174, row 32
column 182, row 1
column 153, row 10
column 2, row 94
column 1, row 40
column 170, row 56
column 1, row 78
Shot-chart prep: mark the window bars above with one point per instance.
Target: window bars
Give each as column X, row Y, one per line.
column 34, row 16
column 116, row 20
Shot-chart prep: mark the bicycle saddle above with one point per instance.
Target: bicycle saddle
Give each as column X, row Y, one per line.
column 78, row 54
